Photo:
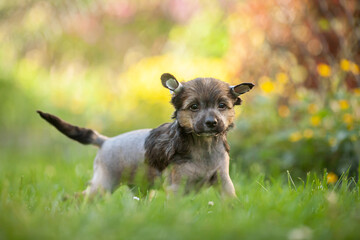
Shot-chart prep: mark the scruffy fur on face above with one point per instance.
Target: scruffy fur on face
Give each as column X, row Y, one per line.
column 207, row 94
column 192, row 149
column 174, row 142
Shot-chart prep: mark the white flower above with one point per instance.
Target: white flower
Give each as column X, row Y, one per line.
column 211, row 203
column 300, row 233
column 332, row 198
column 136, row 198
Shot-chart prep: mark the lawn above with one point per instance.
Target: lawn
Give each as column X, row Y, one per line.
column 36, row 201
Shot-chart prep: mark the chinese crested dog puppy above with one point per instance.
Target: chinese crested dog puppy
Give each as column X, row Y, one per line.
column 193, row 148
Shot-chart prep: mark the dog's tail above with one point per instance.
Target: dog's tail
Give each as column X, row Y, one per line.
column 82, row 135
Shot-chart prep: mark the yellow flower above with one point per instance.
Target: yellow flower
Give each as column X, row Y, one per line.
column 354, row 68
column 357, row 91
column 348, row 118
column 295, row 136
column 324, row 70
column 308, row 133
column 315, row 120
column 344, row 104
column 283, row 111
column 345, row 65
column 331, row 178
column 312, row 108
column 266, row 84
column 282, row 78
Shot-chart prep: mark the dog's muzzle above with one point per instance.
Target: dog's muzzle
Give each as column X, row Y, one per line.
column 211, row 127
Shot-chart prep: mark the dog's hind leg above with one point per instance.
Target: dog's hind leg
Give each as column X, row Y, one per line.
column 103, row 180
column 98, row 185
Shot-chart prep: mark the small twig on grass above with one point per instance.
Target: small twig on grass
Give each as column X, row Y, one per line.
column 262, row 186
column 290, row 180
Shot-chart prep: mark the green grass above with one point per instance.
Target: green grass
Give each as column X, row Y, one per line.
column 33, row 184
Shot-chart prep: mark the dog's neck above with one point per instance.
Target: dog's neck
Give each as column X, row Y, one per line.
column 170, row 143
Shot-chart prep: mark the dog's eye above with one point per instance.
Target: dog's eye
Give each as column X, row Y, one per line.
column 222, row 106
column 194, row 107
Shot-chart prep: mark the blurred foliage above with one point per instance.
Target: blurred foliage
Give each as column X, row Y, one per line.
column 97, row 64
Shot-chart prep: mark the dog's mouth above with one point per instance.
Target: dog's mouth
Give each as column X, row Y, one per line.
column 207, row 134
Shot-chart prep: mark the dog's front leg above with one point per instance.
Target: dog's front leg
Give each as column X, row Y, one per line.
column 174, row 181
column 227, row 186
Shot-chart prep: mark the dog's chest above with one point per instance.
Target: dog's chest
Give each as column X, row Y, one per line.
column 205, row 161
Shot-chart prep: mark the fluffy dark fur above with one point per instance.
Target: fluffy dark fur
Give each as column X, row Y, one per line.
column 164, row 143
column 82, row 135
column 169, row 143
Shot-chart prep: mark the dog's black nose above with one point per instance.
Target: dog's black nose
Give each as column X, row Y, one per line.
column 211, row 122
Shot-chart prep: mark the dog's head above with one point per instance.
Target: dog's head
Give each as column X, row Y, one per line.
column 204, row 106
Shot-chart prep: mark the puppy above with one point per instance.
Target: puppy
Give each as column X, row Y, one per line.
column 193, row 148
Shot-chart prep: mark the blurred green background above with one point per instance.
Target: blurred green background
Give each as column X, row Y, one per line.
column 98, row 64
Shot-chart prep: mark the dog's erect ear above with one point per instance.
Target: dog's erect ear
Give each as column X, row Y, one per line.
column 170, row 82
column 241, row 88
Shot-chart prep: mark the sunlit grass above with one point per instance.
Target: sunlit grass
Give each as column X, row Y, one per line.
column 32, row 205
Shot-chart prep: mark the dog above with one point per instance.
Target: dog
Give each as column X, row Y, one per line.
column 193, row 149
